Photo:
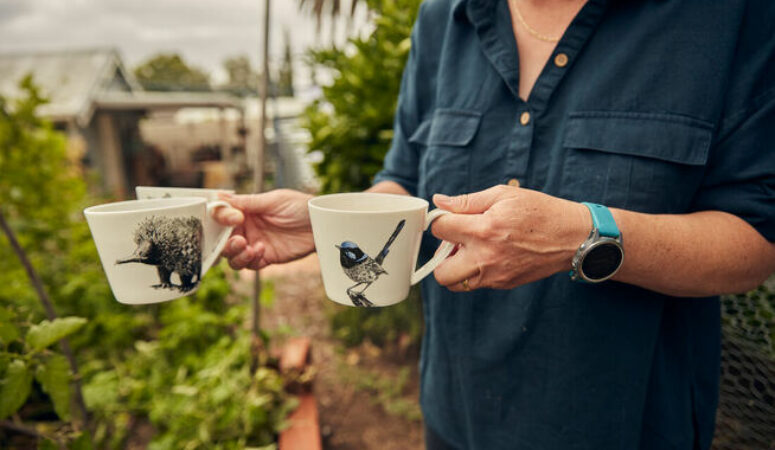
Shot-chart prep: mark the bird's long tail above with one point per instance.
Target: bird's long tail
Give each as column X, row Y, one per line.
column 386, row 248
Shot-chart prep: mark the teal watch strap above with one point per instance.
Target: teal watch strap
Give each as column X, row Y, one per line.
column 603, row 220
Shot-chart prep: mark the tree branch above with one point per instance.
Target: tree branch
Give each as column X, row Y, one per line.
column 50, row 313
column 23, row 429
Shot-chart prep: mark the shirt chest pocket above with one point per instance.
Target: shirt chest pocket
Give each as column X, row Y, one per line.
column 446, row 146
column 643, row 162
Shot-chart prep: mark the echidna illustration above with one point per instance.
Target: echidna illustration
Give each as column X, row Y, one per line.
column 173, row 245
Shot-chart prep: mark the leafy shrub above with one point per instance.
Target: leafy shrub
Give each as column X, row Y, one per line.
column 25, row 355
column 192, row 383
column 42, row 196
column 352, row 124
column 180, row 367
column 41, row 193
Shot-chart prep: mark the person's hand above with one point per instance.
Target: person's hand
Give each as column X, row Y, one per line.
column 507, row 237
column 269, row 228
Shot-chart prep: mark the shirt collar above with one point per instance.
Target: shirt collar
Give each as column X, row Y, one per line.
column 462, row 8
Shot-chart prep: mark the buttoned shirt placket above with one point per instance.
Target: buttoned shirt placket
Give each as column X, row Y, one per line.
column 496, row 38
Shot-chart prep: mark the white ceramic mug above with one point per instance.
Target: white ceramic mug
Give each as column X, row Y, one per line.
column 153, row 250
column 212, row 229
column 368, row 245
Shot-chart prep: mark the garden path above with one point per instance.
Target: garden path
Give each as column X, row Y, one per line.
column 352, row 411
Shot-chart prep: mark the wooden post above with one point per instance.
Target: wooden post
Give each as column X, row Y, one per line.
column 114, row 170
column 258, row 180
column 225, row 147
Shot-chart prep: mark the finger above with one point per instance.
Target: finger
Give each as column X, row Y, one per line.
column 259, row 263
column 457, row 228
column 454, row 270
column 228, row 216
column 474, row 203
column 251, row 203
column 461, row 285
column 242, row 259
column 234, row 246
column 259, row 260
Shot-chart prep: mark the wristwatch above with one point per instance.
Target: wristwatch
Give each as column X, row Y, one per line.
column 601, row 255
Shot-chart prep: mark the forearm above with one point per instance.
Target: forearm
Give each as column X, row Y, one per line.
column 511, row 236
column 693, row 255
column 388, row 187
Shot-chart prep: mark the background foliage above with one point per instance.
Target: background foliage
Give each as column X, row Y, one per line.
column 168, row 72
column 178, row 370
column 352, row 124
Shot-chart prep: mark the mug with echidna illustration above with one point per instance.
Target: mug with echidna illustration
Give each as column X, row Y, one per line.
column 154, row 250
column 368, row 244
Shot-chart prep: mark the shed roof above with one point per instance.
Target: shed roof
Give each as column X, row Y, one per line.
column 71, row 79
column 77, row 82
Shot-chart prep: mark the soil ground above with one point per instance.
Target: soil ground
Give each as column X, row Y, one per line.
column 353, row 412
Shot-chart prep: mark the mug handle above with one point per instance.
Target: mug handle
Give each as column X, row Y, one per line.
column 222, row 237
column 444, row 249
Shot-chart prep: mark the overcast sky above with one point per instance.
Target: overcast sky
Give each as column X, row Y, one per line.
column 205, row 32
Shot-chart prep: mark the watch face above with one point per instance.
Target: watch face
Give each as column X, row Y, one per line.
column 601, row 261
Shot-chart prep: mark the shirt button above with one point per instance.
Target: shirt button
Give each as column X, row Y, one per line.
column 561, row 60
column 524, row 119
column 513, row 182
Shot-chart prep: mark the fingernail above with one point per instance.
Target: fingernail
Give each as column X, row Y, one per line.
column 442, row 198
column 233, row 245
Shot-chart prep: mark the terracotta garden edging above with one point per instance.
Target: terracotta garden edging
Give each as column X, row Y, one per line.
column 304, row 430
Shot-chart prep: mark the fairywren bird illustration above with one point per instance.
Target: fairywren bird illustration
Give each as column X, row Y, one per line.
column 362, row 268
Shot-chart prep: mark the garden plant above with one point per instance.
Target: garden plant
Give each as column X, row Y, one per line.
column 167, row 376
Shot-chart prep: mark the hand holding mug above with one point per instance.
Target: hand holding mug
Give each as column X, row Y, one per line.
column 270, row 228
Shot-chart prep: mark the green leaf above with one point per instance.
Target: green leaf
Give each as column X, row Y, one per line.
column 46, row 333
column 54, row 376
column 47, row 444
column 8, row 332
column 83, row 442
column 15, row 388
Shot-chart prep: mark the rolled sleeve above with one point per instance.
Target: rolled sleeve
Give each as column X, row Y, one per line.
column 740, row 177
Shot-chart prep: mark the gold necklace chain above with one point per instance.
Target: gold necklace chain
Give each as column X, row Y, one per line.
column 530, row 29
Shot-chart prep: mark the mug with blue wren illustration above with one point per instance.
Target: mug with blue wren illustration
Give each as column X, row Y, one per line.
column 368, row 244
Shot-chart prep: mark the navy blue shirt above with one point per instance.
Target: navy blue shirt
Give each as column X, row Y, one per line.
column 663, row 107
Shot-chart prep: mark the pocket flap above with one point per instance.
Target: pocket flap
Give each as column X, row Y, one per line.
column 453, row 127
column 667, row 137
column 420, row 135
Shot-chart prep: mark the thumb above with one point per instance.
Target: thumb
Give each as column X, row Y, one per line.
column 228, row 216
column 475, row 203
